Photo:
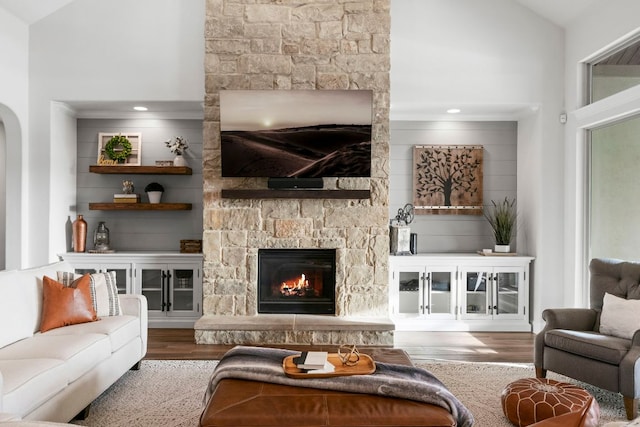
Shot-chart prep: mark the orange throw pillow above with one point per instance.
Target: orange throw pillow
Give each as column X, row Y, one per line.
column 63, row 306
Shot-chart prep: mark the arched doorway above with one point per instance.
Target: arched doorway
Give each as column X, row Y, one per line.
column 11, row 224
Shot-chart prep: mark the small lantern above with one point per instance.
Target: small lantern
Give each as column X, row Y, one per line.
column 101, row 237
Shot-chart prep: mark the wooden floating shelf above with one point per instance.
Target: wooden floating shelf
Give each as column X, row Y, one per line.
column 295, row 194
column 139, row 206
column 142, row 170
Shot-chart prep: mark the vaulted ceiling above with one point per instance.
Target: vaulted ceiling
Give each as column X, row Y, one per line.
column 560, row 12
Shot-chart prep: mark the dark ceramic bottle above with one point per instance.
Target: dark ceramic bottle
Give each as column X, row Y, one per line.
column 79, row 228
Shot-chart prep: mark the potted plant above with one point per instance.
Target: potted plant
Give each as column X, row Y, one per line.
column 502, row 218
column 177, row 145
column 154, row 192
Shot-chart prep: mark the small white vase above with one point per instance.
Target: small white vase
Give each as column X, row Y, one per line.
column 502, row 248
column 154, row 196
column 180, row 161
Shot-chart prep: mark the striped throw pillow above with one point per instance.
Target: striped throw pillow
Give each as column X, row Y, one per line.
column 104, row 291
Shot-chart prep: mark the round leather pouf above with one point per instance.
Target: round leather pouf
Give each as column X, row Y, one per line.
column 529, row 400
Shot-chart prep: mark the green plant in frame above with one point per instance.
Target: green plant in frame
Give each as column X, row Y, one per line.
column 502, row 219
column 119, row 155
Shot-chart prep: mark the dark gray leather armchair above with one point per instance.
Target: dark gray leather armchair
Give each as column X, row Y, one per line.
column 571, row 345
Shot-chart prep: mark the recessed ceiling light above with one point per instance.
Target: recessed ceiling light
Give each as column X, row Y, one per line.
column 453, row 110
column 140, row 108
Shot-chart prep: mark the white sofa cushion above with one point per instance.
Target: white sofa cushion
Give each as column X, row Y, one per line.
column 21, row 301
column 12, row 300
column 119, row 329
column 30, row 382
column 81, row 353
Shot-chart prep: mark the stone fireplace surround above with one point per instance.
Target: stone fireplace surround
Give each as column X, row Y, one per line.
column 312, row 45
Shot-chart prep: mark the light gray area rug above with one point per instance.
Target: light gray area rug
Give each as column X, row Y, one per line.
column 479, row 386
column 165, row 393
column 169, row 393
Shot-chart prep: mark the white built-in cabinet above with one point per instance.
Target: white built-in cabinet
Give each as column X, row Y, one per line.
column 459, row 292
column 171, row 282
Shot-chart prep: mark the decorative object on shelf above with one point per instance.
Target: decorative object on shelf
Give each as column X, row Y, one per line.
column 179, row 160
column 101, row 237
column 79, row 231
column 119, row 148
column 190, row 246
column 127, row 195
column 177, row 145
column 447, row 179
column 413, row 243
column 126, row 198
column 399, row 231
column 164, row 162
column 127, row 186
column 154, row 191
column 405, row 215
column 502, row 218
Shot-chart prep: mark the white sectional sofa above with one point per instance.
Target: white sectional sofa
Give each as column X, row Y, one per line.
column 55, row 375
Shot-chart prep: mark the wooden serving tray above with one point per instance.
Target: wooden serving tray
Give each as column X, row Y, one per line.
column 365, row 366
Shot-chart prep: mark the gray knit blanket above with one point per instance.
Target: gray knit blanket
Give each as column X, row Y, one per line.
column 390, row 380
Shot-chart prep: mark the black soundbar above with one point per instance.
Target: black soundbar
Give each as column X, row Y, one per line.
column 289, row 183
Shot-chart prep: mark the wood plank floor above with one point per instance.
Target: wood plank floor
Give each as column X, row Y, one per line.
column 510, row 347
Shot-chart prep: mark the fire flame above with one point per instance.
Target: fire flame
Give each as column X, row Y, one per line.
column 297, row 287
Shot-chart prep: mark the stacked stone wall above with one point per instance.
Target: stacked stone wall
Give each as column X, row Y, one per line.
column 290, row 45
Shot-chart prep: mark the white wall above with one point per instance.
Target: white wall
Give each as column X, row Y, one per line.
column 14, row 39
column 602, row 26
column 147, row 50
column 498, row 58
column 63, row 168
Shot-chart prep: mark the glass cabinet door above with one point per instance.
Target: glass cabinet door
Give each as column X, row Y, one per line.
column 477, row 292
column 508, row 292
column 84, row 271
column 122, row 275
column 409, row 292
column 121, row 279
column 152, row 286
column 172, row 290
column 439, row 287
column 182, row 290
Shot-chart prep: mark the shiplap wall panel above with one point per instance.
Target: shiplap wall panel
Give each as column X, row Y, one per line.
column 454, row 233
column 143, row 230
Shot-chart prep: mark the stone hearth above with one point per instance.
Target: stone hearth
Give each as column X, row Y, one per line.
column 280, row 329
column 301, row 45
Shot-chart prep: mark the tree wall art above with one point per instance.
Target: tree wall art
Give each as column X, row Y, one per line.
column 447, row 179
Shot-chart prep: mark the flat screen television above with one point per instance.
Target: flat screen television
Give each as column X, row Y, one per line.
column 296, row 133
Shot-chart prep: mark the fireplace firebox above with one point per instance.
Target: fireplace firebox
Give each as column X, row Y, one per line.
column 296, row 281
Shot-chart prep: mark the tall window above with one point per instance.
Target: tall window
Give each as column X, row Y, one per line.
column 615, row 190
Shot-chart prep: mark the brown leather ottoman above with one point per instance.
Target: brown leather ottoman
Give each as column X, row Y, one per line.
column 241, row 403
column 528, row 401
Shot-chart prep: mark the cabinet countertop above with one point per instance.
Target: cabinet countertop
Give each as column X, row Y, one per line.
column 448, row 257
column 129, row 254
column 458, row 255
